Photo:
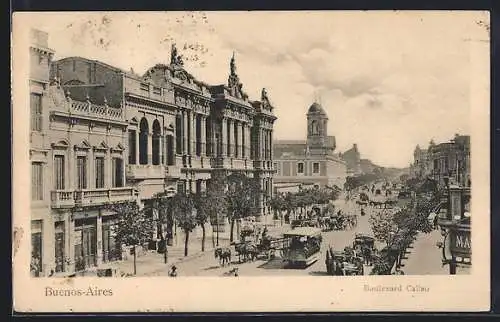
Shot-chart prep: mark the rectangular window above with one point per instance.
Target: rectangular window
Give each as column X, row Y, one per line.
column 37, row 181
column 315, row 167
column 36, row 111
column 178, row 134
column 99, row 172
column 117, row 172
column 300, row 168
column 59, row 172
column 181, row 186
column 132, row 146
column 81, row 172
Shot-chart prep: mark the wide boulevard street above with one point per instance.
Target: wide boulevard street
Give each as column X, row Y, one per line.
column 207, row 265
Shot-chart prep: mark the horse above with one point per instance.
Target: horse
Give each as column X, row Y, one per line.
column 223, row 254
column 248, row 250
column 367, row 255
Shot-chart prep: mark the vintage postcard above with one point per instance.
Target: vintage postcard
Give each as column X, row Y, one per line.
column 251, row 161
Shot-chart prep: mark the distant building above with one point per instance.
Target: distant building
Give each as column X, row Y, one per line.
column 447, row 160
column 367, row 166
column 312, row 161
column 353, row 160
column 420, row 166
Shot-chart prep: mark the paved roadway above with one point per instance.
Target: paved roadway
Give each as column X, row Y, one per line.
column 207, row 265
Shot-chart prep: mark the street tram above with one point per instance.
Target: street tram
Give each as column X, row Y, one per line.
column 302, row 246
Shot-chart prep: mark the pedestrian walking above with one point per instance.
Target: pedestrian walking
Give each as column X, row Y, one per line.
column 173, row 271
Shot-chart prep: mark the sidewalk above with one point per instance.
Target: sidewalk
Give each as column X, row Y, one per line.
column 425, row 257
column 152, row 262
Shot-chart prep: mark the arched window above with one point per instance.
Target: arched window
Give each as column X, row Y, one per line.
column 143, row 141
column 156, row 142
column 314, row 128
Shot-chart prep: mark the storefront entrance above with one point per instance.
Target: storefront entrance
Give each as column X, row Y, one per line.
column 85, row 238
column 110, row 250
column 59, row 246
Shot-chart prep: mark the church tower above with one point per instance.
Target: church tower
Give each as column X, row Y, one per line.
column 318, row 141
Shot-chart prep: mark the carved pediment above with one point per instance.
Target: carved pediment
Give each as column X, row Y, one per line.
column 118, row 148
column 134, row 121
column 85, row 145
column 102, row 146
column 62, row 144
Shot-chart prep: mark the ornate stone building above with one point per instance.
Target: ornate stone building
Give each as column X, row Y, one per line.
column 450, row 160
column 101, row 135
column 313, row 161
column 82, row 170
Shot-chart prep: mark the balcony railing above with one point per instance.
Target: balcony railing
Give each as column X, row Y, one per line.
column 62, row 198
column 87, row 197
column 101, row 111
column 145, row 171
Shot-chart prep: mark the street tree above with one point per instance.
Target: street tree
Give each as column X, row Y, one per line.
column 133, row 228
column 162, row 205
column 278, row 205
column 241, row 198
column 184, row 214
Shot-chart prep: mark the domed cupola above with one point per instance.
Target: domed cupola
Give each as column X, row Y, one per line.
column 316, row 108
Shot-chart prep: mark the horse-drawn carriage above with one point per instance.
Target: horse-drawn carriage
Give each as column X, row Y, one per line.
column 342, row 263
column 365, row 246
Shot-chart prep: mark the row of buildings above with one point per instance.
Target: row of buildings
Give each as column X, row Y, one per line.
column 444, row 161
column 448, row 165
column 101, row 135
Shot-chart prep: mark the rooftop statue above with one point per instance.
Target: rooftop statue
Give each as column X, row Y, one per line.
column 175, row 58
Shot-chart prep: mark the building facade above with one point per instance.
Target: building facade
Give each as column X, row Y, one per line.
column 352, row 158
column 101, row 135
column 444, row 161
column 312, row 161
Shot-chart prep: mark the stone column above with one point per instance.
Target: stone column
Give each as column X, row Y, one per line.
column 137, row 146
column 261, row 144
column 69, row 249
column 203, row 129
column 98, row 232
column 185, row 133
column 90, row 175
column 192, row 122
column 150, row 148
column 271, row 145
column 231, row 138
column 236, row 137
column 108, row 170
column 70, row 171
column 248, row 142
column 224, row 137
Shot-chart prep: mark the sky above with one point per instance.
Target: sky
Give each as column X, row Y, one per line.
column 387, row 80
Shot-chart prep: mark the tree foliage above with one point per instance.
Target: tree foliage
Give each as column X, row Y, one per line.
column 241, row 195
column 183, row 210
column 134, row 227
